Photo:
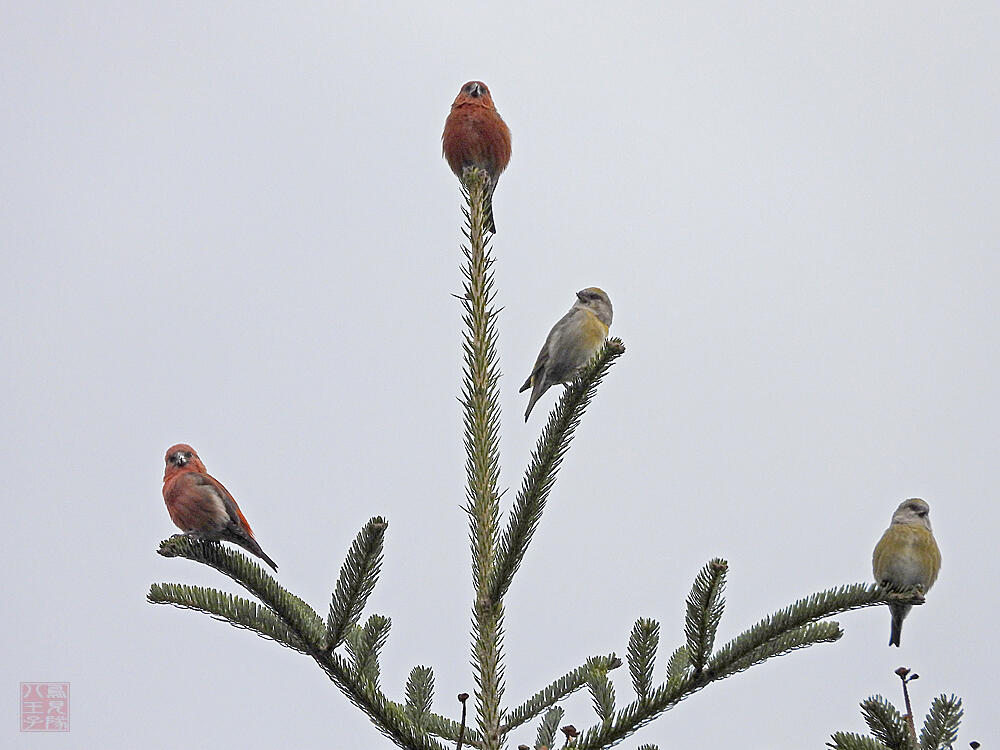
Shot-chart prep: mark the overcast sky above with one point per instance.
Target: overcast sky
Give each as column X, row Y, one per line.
column 232, row 227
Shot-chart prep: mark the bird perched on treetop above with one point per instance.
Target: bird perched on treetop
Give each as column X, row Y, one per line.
column 476, row 136
column 200, row 506
column 570, row 344
column 906, row 556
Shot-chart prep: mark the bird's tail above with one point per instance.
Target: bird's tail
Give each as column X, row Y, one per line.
column 898, row 613
column 264, row 556
column 536, row 393
column 491, row 226
column 248, row 543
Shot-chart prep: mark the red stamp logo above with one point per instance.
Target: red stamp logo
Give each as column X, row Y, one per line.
column 44, row 706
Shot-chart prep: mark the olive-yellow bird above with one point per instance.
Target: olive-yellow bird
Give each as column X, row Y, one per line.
column 907, row 556
column 570, row 344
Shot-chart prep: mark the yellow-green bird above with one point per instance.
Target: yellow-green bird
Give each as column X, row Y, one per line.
column 906, row 556
column 573, row 340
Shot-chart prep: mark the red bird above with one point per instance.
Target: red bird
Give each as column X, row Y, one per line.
column 200, row 506
column 476, row 136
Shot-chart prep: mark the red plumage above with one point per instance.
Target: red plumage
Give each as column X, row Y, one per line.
column 199, row 505
column 476, row 136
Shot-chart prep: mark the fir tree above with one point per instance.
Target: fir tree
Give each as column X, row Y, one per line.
column 347, row 650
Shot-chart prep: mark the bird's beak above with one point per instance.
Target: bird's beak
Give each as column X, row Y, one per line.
column 475, row 90
column 579, row 296
column 178, row 459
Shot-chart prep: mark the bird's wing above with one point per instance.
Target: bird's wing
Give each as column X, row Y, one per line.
column 551, row 342
column 543, row 357
column 210, row 484
column 935, row 557
column 878, row 569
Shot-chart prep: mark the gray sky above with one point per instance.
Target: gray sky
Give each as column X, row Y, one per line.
column 233, row 227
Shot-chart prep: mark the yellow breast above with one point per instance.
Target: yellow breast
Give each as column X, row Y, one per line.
column 593, row 331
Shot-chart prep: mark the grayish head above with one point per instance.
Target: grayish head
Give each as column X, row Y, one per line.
column 913, row 512
column 597, row 301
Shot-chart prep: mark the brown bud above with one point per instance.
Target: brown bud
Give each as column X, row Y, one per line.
column 570, row 731
column 463, row 697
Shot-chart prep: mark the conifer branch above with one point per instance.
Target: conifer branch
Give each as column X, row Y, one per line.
column 561, row 688
column 443, row 727
column 296, row 613
column 358, row 576
column 547, row 728
column 637, row 714
column 806, row 610
column 419, row 696
column 480, row 400
column 704, row 612
column 235, row 610
column 892, row 730
column 448, row 729
column 496, row 559
column 388, row 717
column 794, row 627
column 642, row 645
column 352, row 642
column 541, row 473
column 941, row 725
column 602, row 692
column 886, row 724
column 807, row 635
column 365, row 644
column 854, row 741
column 678, row 664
